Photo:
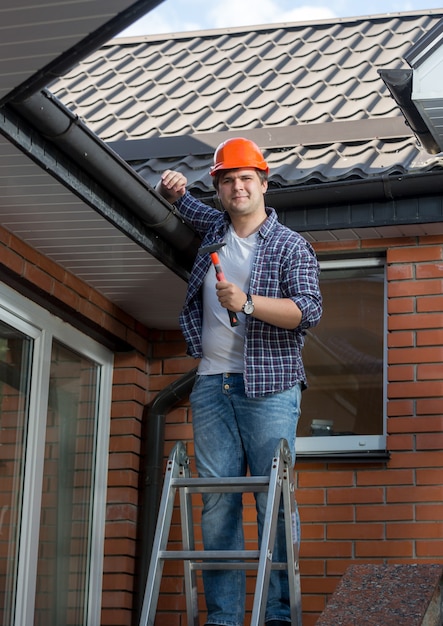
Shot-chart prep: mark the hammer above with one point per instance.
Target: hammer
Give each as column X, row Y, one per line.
column 212, row 251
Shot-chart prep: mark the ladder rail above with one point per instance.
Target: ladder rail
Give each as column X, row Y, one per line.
column 280, row 461
column 292, row 550
column 188, row 544
column 177, row 460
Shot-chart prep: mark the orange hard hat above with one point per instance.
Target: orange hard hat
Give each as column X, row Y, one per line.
column 238, row 152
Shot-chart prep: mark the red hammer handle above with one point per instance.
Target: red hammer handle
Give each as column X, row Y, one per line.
column 220, row 276
column 218, row 270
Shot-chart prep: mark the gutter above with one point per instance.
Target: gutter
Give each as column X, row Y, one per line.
column 399, row 83
column 57, row 124
column 353, row 192
column 152, row 469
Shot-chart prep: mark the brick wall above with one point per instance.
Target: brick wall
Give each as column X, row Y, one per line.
column 363, row 512
column 351, row 512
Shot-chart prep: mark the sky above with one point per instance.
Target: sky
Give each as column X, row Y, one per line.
column 188, row 15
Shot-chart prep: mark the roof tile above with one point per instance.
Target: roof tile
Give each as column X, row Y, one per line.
column 251, row 78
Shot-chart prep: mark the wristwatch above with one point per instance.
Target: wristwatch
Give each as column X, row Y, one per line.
column 248, row 307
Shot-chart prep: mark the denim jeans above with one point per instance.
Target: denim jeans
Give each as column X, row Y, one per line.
column 231, row 433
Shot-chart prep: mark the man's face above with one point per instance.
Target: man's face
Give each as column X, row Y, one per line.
column 241, row 191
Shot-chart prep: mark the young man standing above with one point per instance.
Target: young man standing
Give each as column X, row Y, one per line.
column 250, row 377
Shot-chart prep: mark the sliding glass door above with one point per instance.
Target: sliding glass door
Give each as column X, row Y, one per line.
column 55, row 386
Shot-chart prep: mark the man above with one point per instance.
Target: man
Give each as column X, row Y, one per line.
column 248, row 387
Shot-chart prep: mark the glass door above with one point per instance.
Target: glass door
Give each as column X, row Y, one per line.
column 55, row 394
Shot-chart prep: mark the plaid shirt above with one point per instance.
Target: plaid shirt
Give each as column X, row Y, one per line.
column 285, row 266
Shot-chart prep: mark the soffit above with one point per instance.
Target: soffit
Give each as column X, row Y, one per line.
column 53, row 220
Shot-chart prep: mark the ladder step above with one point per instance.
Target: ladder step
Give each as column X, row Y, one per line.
column 245, row 565
column 207, row 555
column 218, row 559
column 222, row 485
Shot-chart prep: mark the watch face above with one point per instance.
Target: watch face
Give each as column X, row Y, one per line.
column 248, row 308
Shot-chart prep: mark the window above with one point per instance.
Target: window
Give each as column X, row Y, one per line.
column 343, row 407
column 55, row 386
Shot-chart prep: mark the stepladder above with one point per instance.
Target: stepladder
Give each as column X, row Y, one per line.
column 280, row 489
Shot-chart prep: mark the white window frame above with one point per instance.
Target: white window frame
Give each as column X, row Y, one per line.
column 353, row 444
column 44, row 327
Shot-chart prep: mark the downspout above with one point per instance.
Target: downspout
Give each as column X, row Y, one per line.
column 151, row 474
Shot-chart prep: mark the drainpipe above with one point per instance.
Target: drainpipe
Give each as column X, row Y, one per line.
column 151, row 473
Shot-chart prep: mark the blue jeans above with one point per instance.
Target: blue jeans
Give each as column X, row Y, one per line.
column 231, row 433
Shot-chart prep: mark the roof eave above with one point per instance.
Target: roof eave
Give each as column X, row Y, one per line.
column 171, row 241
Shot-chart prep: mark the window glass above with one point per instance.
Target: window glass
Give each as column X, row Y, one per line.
column 343, row 406
column 67, row 494
column 15, row 358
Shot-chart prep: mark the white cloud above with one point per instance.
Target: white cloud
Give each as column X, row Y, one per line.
column 235, row 13
column 187, row 15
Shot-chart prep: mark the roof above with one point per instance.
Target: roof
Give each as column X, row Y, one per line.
column 308, row 93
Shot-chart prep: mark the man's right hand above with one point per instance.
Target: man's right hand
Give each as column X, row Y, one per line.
column 172, row 185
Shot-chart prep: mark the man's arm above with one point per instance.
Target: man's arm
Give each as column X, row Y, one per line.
column 281, row 312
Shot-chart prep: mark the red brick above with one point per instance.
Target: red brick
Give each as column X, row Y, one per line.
column 343, row 513
column 400, row 442
column 432, row 337
column 383, row 477
column 430, row 406
column 430, row 476
column 326, row 479
column 326, row 549
column 401, row 339
column 415, row 459
column 415, row 390
column 399, row 272
column 398, row 306
column 416, row 321
column 384, row 549
column 306, row 497
column 416, row 424
column 430, row 549
column 400, row 408
column 429, row 271
column 433, row 371
column 427, row 493
column 415, row 355
column 401, row 373
column 355, row 495
column 405, row 288
column 377, row 512
column 355, row 531
column 429, row 512
column 429, row 304
column 430, row 441
column 416, row 254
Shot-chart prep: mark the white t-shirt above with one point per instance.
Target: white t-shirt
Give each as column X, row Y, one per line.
column 223, row 343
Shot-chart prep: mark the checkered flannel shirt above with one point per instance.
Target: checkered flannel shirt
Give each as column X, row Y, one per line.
column 285, row 266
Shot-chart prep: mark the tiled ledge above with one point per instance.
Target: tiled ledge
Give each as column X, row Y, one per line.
column 386, row 595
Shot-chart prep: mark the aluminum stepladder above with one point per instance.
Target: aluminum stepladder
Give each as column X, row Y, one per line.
column 279, row 484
